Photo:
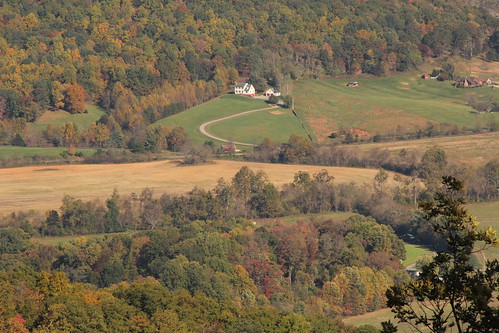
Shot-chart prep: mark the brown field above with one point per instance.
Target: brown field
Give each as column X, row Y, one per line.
column 42, row 188
column 475, row 150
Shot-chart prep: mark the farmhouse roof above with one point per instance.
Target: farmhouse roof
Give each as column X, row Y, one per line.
column 241, row 85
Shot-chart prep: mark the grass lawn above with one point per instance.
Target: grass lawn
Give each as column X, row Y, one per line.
column 226, row 105
column 52, row 152
column 59, row 118
column 380, row 105
column 252, row 128
column 43, row 187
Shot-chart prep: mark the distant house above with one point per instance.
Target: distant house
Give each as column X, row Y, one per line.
column 272, row 92
column 353, row 84
column 245, row 89
column 229, row 148
column 472, row 82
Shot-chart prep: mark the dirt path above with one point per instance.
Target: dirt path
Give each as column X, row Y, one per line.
column 203, row 126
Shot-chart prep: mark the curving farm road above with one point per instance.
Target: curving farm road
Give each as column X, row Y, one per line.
column 203, row 126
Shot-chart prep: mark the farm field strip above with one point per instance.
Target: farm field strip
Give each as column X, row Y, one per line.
column 12, row 151
column 43, row 187
column 465, row 149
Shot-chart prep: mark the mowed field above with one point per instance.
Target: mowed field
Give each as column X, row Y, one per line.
column 43, row 187
column 475, row 150
column 380, row 105
column 277, row 124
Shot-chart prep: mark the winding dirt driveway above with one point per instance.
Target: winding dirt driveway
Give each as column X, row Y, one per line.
column 203, row 126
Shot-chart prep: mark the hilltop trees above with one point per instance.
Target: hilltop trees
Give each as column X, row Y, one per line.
column 450, row 292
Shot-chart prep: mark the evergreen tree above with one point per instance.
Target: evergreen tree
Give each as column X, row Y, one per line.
column 450, row 292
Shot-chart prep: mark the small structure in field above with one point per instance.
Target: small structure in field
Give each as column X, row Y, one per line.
column 425, row 76
column 228, row 148
column 245, row 89
column 272, row 92
column 472, row 82
column 353, row 84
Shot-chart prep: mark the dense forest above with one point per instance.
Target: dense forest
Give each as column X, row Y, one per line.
column 144, row 60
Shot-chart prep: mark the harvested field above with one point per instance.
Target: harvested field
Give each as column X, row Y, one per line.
column 473, row 150
column 42, row 188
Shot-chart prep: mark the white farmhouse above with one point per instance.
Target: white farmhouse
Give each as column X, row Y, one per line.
column 244, row 89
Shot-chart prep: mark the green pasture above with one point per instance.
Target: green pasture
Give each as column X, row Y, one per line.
column 51, row 152
column 276, row 124
column 380, row 105
column 59, row 118
column 224, row 106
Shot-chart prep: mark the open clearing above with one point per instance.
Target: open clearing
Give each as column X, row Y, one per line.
column 59, row 118
column 43, row 187
column 380, row 105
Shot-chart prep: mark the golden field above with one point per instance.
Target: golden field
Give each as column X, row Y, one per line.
column 43, row 187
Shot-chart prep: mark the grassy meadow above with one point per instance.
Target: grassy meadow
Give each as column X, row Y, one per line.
column 380, row 105
column 43, row 187
column 220, row 107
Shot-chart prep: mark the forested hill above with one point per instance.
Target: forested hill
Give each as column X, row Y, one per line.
column 145, row 59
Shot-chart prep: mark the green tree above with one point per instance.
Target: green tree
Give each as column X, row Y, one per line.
column 431, row 168
column 13, row 240
column 450, row 292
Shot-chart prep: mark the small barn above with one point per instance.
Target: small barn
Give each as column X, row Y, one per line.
column 228, row 148
column 272, row 92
